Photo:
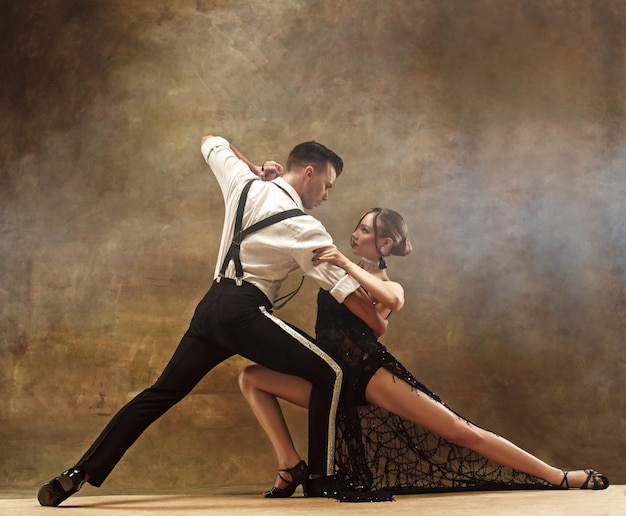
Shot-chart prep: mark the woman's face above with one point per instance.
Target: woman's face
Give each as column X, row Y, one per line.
column 362, row 239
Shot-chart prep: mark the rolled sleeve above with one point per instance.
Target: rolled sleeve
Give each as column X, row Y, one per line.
column 227, row 168
column 343, row 288
column 210, row 144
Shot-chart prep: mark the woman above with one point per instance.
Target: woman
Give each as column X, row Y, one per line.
column 425, row 447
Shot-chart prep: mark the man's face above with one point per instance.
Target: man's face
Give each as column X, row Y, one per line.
column 316, row 186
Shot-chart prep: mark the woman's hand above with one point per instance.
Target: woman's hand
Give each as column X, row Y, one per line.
column 387, row 293
column 330, row 255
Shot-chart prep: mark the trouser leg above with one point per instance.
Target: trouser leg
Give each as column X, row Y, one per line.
column 227, row 321
column 269, row 341
column 300, row 356
column 191, row 361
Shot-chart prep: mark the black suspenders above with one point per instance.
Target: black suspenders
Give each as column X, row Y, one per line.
column 239, row 235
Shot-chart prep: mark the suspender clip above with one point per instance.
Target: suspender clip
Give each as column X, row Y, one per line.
column 239, row 281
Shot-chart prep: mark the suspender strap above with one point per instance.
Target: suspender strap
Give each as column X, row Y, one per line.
column 272, row 219
column 233, row 250
column 287, row 297
column 239, row 235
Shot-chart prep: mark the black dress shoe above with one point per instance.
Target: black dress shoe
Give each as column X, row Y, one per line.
column 60, row 488
column 322, row 487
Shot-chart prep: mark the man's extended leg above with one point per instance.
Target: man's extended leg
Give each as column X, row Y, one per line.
column 193, row 358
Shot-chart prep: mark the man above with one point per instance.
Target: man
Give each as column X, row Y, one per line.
column 235, row 315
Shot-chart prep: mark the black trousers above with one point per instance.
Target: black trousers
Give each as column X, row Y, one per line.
column 229, row 320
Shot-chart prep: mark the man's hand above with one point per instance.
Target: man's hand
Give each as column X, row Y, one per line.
column 205, row 138
column 270, row 170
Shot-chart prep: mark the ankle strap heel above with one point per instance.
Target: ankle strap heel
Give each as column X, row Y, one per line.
column 299, row 474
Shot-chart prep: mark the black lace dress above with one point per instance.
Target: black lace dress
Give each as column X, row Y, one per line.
column 379, row 454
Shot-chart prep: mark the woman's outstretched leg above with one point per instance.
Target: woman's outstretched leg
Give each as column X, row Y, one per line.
column 397, row 396
column 261, row 387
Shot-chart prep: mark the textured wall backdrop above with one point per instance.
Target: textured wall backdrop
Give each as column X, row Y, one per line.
column 496, row 128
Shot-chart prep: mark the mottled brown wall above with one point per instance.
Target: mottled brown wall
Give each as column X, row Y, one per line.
column 497, row 128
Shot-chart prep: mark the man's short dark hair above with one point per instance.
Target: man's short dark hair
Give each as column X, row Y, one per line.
column 314, row 154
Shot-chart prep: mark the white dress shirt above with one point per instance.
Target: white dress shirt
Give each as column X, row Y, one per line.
column 269, row 255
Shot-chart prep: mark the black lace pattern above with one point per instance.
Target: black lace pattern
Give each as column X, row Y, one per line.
column 378, row 454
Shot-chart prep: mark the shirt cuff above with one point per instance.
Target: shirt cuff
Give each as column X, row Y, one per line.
column 210, row 144
column 344, row 287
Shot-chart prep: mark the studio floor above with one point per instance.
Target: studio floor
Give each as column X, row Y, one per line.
column 247, row 501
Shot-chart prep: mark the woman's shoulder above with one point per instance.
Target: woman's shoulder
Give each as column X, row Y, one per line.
column 395, row 285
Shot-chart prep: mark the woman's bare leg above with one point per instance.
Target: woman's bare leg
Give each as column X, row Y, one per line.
column 261, row 387
column 397, row 396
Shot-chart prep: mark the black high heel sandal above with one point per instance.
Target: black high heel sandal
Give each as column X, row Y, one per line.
column 591, row 475
column 299, row 475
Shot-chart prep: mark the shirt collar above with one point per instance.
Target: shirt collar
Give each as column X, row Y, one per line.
column 280, row 182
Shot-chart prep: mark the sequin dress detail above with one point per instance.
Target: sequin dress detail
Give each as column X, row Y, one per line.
column 377, row 453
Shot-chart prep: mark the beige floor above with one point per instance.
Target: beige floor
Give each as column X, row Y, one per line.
column 588, row 503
